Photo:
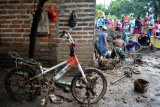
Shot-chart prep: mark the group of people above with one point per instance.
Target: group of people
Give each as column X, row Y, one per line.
column 146, row 25
column 120, row 45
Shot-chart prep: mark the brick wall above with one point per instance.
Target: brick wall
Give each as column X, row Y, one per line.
column 15, row 24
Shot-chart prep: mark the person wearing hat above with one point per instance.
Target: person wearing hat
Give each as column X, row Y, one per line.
column 102, row 43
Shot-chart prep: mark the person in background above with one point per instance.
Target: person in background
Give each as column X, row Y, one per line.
column 130, row 46
column 118, row 44
column 112, row 25
column 138, row 26
column 118, row 25
column 100, row 23
column 132, row 25
column 126, row 22
column 157, row 28
column 102, row 43
column 158, row 18
column 150, row 26
column 145, row 25
column 144, row 40
column 125, row 35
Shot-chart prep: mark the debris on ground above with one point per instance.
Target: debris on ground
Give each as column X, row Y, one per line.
column 141, row 85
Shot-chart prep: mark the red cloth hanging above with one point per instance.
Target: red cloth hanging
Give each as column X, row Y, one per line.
column 53, row 14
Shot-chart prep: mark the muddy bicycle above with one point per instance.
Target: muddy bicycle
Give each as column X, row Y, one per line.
column 28, row 79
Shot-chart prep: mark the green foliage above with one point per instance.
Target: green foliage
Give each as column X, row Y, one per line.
column 137, row 7
column 99, row 13
column 112, row 17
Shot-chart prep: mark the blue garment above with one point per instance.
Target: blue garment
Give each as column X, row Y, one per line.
column 125, row 37
column 126, row 27
column 100, row 22
column 151, row 22
column 132, row 23
column 131, row 46
column 101, row 44
column 150, row 31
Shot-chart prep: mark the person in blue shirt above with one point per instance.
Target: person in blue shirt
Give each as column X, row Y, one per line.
column 132, row 25
column 100, row 23
column 102, row 43
column 125, row 36
column 130, row 46
column 150, row 26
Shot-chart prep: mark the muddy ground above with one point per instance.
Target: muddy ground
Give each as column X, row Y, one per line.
column 120, row 94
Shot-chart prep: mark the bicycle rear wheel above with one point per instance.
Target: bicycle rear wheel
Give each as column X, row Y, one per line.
column 14, row 85
column 91, row 92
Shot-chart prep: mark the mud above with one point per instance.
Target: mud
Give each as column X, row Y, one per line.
column 122, row 93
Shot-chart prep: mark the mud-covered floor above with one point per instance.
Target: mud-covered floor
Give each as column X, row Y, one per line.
column 120, row 94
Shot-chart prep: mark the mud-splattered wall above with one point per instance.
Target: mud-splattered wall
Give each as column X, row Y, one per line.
column 15, row 23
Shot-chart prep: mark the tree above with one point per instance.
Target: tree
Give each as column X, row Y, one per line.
column 101, row 10
column 137, row 7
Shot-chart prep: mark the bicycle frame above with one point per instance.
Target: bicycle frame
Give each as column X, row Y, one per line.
column 70, row 62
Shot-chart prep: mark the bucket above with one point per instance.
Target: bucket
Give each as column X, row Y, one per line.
column 141, row 85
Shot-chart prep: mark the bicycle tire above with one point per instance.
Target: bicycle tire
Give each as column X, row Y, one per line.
column 79, row 76
column 9, row 89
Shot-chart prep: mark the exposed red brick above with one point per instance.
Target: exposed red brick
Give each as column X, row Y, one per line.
column 18, row 30
column 19, row 39
column 7, row 39
column 5, row 21
column 25, row 35
column 3, row 26
column 82, row 5
column 5, row 35
column 82, row 41
column 15, row 35
column 22, row 16
column 17, row 22
column 26, row 26
column 3, row 12
column 8, row 17
column 82, row 33
column 22, row 6
column 26, row 21
column 14, row 26
column 6, row 30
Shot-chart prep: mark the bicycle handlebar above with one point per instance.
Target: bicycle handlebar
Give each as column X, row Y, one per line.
column 68, row 36
column 63, row 33
column 70, row 39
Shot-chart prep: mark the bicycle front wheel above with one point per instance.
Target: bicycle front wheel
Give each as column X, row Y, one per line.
column 91, row 92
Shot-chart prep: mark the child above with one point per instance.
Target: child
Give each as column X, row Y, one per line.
column 125, row 35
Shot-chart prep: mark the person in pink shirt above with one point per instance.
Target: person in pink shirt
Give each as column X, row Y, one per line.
column 145, row 25
column 157, row 28
column 118, row 25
